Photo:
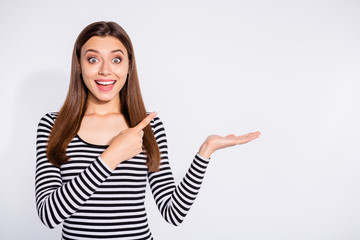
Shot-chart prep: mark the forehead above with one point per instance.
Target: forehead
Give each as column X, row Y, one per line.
column 103, row 45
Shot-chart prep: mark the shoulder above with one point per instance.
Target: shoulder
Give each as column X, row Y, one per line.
column 157, row 127
column 156, row 122
column 47, row 121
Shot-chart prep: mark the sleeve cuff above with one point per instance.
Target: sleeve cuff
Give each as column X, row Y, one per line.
column 202, row 158
column 105, row 165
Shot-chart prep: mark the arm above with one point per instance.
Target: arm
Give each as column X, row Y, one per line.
column 56, row 201
column 173, row 201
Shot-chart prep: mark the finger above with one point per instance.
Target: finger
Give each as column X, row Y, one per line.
column 252, row 134
column 230, row 135
column 247, row 137
column 145, row 121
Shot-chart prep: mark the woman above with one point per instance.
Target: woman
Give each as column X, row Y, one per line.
column 95, row 155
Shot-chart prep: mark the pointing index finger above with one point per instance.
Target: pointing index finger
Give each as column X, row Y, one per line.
column 145, row 121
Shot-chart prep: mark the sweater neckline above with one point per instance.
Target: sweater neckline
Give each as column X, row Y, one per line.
column 91, row 144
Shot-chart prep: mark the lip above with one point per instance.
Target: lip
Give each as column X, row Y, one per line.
column 106, row 86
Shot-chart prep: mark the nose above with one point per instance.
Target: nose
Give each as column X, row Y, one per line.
column 104, row 69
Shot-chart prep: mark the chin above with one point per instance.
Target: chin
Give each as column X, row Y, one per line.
column 106, row 99
column 101, row 97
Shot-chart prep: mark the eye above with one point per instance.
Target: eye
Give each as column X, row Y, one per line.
column 116, row 60
column 93, row 60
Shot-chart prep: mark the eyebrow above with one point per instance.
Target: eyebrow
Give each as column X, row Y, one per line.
column 113, row 51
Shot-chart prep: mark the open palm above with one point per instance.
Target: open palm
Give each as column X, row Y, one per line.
column 216, row 142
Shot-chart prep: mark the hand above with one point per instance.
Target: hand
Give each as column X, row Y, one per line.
column 215, row 142
column 126, row 144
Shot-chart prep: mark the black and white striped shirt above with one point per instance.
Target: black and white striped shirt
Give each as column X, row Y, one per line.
column 94, row 202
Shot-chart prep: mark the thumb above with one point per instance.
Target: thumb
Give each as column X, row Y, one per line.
column 230, row 135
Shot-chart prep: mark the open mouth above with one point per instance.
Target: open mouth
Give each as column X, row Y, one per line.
column 105, row 85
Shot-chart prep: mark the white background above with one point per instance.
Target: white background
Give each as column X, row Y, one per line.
column 289, row 69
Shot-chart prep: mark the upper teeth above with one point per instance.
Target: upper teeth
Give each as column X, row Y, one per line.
column 105, row 83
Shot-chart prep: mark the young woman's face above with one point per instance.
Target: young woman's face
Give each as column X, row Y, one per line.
column 104, row 67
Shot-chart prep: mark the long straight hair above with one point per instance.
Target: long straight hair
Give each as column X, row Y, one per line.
column 69, row 118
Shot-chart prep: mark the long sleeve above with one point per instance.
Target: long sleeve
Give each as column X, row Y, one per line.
column 173, row 201
column 55, row 200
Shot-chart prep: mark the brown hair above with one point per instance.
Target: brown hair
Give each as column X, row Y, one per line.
column 69, row 118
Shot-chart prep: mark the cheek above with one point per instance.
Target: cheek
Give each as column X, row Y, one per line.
column 88, row 71
column 86, row 76
column 121, row 72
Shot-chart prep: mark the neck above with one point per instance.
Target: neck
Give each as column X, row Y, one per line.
column 97, row 107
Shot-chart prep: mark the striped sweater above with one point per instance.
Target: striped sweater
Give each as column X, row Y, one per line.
column 94, row 202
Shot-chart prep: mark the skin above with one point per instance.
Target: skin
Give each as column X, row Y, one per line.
column 103, row 123
column 103, row 120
